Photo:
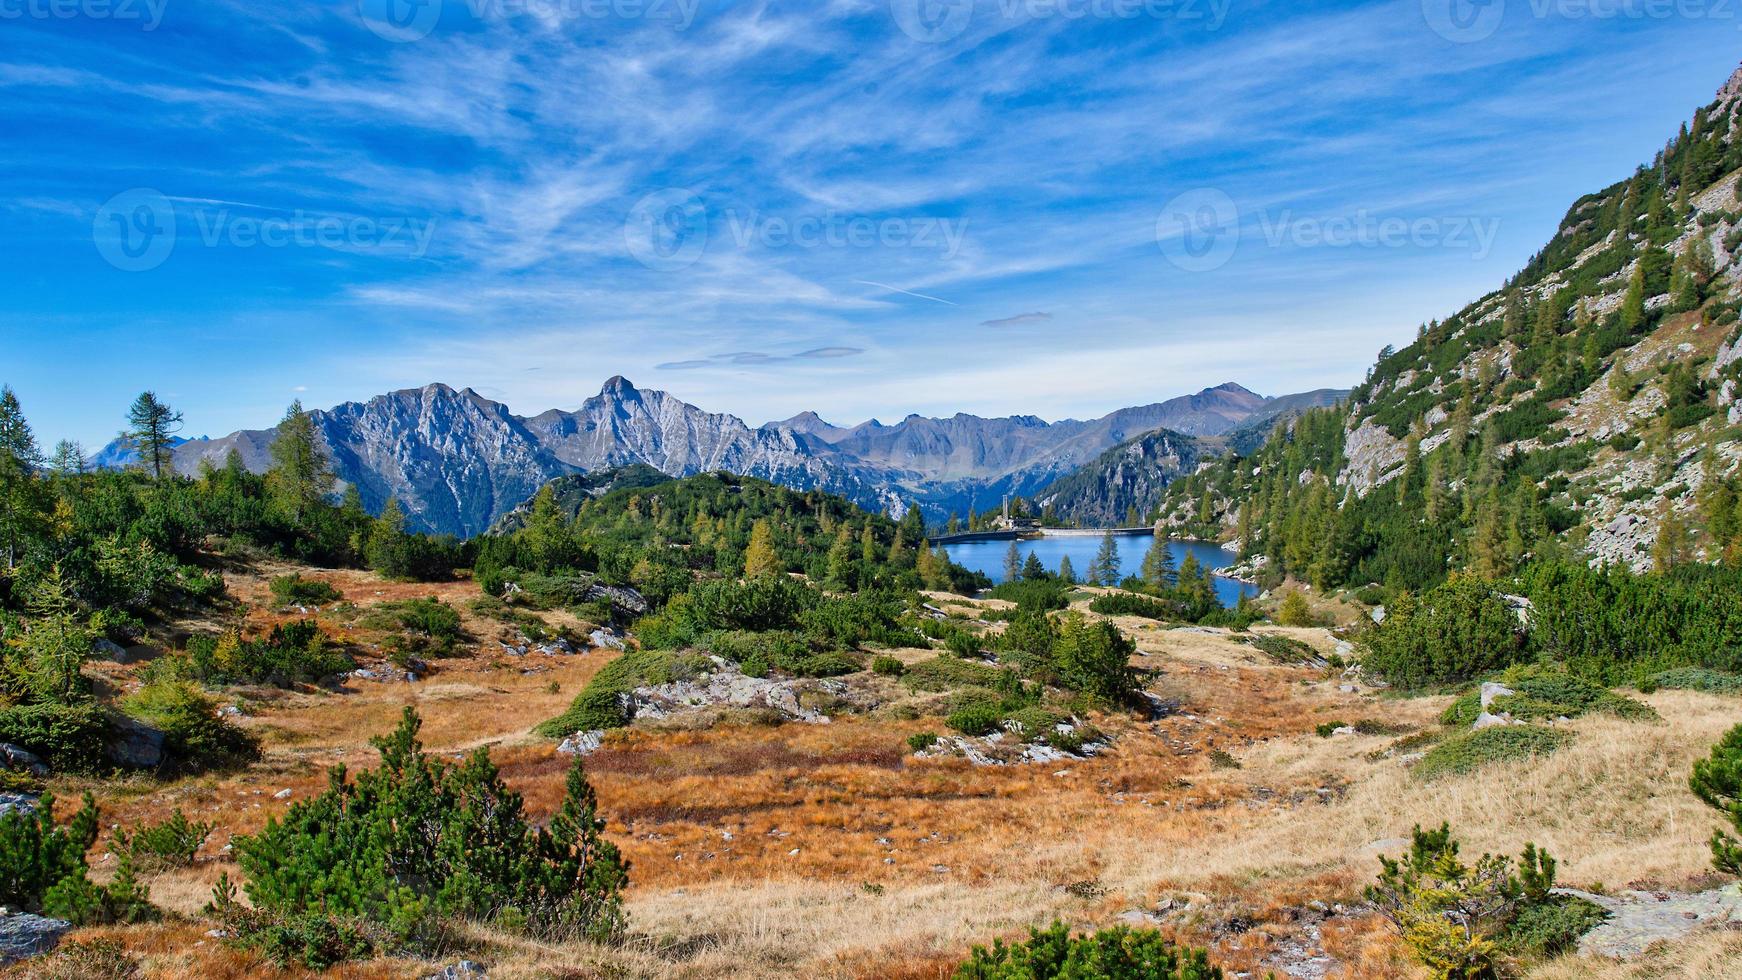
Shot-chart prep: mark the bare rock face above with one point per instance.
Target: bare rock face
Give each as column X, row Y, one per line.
column 1372, row 453
column 24, row 935
column 1639, row 920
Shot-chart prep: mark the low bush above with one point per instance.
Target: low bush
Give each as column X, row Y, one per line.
column 1326, row 729
column 1455, row 632
column 1285, row 649
column 1546, row 693
column 1469, row 751
column 1717, row 781
column 920, row 741
column 68, row 737
column 420, row 627
column 1132, row 604
column 170, row 844
column 975, row 719
column 1461, row 919
column 1038, row 594
column 1697, row 679
column 292, row 653
column 339, row 873
column 294, row 590
column 1119, row 953
column 885, row 666
column 196, row 737
column 946, row 673
column 42, row 869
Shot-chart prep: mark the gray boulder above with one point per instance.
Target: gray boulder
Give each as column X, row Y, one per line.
column 582, row 743
column 463, row 970
column 24, row 935
column 107, row 649
column 22, row 803
column 14, row 757
column 136, row 745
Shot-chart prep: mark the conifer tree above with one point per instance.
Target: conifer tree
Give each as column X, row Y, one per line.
column 20, row 503
column 299, row 479
column 1032, row 569
column 151, row 434
column 760, row 558
column 1633, row 304
column 1105, row 570
column 1012, row 563
column 1158, row 567
column 1066, row 573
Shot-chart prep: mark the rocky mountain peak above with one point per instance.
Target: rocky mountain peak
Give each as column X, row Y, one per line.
column 1731, row 92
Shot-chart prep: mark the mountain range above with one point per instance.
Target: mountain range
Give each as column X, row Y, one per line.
column 458, row 461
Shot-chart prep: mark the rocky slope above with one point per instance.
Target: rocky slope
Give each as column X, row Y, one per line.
column 1120, row 487
column 458, row 461
column 1606, row 370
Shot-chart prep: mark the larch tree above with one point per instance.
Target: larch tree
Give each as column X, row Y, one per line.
column 152, row 426
column 299, row 480
column 760, row 558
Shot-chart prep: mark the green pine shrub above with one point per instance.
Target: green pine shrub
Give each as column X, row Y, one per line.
column 1451, row 633
column 1119, row 953
column 605, row 703
column 195, row 735
column 1697, row 679
column 1717, row 781
column 294, row 590
column 1468, row 751
column 920, row 741
column 170, row 844
column 1464, row 921
column 886, row 666
column 69, row 737
column 386, row 859
column 42, row 869
column 1132, row 604
column 292, row 653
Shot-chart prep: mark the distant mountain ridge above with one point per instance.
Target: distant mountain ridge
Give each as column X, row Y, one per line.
column 458, row 461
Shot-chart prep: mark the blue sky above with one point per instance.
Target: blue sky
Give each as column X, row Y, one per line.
column 862, row 208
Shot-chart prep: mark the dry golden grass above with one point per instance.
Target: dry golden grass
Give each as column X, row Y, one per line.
column 901, row 864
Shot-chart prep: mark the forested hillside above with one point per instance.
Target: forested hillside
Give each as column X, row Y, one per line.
column 1586, row 409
